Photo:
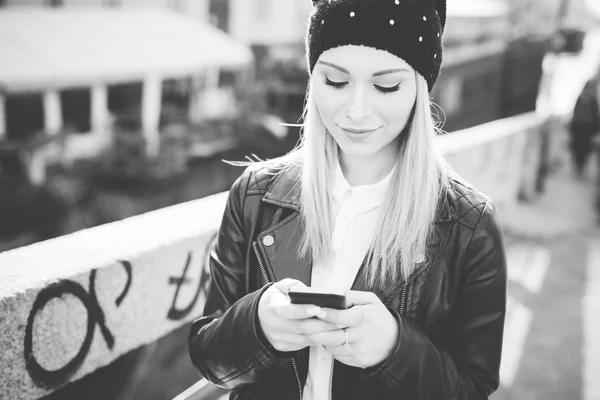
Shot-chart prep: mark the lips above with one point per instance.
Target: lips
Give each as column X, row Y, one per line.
column 353, row 130
column 358, row 135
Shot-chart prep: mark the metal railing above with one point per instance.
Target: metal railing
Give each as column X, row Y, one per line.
column 203, row 390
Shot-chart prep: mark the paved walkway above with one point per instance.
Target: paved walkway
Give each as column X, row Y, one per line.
column 552, row 335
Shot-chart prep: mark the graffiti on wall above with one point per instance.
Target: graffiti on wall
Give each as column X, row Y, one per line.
column 52, row 379
column 176, row 314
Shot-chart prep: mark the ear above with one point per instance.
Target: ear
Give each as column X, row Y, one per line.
column 440, row 6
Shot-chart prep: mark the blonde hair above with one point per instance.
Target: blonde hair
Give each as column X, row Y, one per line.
column 409, row 209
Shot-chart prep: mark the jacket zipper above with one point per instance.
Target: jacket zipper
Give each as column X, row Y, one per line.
column 297, row 377
column 403, row 301
column 264, row 273
column 260, row 264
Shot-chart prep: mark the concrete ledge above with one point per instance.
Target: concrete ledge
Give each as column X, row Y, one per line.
column 39, row 264
column 487, row 134
column 499, row 158
column 73, row 304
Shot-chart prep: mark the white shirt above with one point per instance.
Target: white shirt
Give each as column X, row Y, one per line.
column 355, row 212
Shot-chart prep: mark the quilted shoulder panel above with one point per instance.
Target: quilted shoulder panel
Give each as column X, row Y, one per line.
column 466, row 203
column 260, row 177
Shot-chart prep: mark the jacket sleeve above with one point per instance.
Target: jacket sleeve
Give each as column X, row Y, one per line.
column 224, row 344
column 467, row 366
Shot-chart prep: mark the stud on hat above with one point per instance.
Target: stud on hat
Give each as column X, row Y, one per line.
column 409, row 29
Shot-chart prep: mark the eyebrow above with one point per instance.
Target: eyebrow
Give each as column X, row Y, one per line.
column 379, row 73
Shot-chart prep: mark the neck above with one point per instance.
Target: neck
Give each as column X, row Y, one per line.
column 360, row 171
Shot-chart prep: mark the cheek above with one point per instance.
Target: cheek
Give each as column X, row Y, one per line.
column 396, row 113
column 327, row 103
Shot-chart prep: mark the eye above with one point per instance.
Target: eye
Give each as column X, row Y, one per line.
column 385, row 89
column 335, row 85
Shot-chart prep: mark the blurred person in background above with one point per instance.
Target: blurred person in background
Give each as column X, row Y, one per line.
column 363, row 206
column 585, row 125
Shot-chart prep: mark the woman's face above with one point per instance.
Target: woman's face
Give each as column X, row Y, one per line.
column 365, row 97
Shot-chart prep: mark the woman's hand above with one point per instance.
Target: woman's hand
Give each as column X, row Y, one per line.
column 286, row 325
column 371, row 329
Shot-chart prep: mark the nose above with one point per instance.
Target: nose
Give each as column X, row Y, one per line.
column 359, row 107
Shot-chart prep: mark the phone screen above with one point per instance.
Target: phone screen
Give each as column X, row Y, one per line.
column 322, row 299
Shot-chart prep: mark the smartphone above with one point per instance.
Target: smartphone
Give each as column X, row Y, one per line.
column 307, row 295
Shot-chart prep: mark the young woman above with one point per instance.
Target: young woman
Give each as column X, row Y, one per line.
column 366, row 207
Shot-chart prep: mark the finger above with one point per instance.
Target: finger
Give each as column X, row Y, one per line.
column 337, row 338
column 344, row 318
column 357, row 297
column 311, row 326
column 277, row 299
column 300, row 327
column 331, row 338
column 284, row 285
column 288, row 341
column 297, row 311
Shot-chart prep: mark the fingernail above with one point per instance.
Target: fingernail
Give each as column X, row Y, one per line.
column 313, row 311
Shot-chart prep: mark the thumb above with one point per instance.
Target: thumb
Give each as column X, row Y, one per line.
column 286, row 284
column 359, row 298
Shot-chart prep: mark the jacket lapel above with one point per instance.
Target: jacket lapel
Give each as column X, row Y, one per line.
column 279, row 245
column 280, row 249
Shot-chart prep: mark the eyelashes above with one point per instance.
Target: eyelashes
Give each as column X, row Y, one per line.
column 381, row 89
column 390, row 89
column 335, row 85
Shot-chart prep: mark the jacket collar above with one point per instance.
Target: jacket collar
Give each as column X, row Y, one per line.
column 284, row 191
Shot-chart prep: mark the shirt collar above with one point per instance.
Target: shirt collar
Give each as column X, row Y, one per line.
column 360, row 198
column 283, row 190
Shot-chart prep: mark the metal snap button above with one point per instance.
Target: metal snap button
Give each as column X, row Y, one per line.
column 268, row 240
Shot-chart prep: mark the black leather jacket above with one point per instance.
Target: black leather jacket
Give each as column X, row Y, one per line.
column 450, row 310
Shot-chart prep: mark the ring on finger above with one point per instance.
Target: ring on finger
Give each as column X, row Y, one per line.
column 346, row 344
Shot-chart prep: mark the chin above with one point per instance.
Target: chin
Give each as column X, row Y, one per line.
column 358, row 149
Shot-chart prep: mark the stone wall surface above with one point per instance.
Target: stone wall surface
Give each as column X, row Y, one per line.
column 73, row 304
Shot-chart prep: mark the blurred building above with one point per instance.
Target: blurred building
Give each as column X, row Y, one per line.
column 269, row 22
column 124, row 80
column 196, row 8
column 78, row 74
column 118, row 93
column 275, row 29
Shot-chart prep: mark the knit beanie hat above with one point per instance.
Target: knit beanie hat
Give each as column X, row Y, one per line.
column 409, row 29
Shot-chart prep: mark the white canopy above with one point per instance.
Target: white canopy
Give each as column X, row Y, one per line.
column 43, row 48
